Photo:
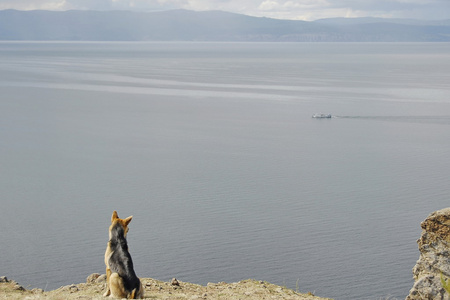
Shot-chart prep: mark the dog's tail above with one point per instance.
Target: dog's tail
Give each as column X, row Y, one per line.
column 133, row 294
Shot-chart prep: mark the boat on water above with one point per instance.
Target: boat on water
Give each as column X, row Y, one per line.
column 322, row 116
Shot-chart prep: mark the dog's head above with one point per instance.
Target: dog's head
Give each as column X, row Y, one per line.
column 116, row 221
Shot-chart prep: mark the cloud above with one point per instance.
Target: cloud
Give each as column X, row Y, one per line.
column 30, row 5
column 315, row 9
column 269, row 5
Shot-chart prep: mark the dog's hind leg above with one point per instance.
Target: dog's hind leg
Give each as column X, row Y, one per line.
column 117, row 286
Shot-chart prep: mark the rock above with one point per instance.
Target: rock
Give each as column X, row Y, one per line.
column 92, row 278
column 175, row 282
column 3, row 279
column 101, row 279
column 73, row 288
column 19, row 287
column 37, row 291
column 434, row 258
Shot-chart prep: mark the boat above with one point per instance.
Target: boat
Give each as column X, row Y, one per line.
column 322, row 116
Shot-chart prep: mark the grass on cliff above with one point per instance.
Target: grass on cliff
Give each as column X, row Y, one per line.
column 445, row 283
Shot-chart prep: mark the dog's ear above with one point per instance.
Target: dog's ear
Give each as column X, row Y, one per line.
column 128, row 220
column 114, row 216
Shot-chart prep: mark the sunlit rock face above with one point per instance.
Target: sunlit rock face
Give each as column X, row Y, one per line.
column 434, row 258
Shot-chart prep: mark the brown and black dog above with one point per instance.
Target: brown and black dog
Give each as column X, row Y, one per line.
column 121, row 280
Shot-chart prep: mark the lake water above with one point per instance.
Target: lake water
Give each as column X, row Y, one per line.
column 212, row 148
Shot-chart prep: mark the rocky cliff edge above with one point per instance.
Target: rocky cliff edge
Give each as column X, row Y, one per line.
column 434, row 258
column 154, row 289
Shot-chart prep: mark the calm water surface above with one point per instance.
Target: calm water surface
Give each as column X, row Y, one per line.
column 212, row 148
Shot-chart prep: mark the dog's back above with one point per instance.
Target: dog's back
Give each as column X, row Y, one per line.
column 122, row 281
column 120, row 261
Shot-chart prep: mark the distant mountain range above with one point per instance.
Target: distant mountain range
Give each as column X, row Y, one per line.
column 184, row 25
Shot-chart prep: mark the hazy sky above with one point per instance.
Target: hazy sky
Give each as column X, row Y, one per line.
column 281, row 9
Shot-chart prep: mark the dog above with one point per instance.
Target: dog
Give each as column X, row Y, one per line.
column 121, row 280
